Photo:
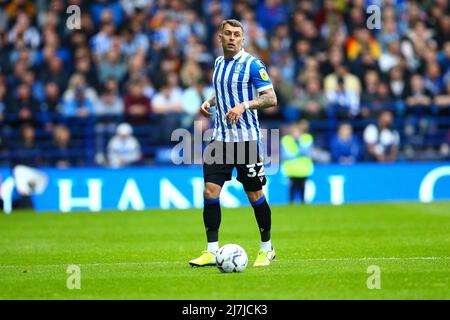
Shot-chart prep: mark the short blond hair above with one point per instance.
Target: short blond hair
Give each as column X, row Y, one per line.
column 233, row 23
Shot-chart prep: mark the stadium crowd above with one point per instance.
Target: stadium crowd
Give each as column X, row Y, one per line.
column 63, row 92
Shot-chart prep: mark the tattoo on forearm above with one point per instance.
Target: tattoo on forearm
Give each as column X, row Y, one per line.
column 265, row 100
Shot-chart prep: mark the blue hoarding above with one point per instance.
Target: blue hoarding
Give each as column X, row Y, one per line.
column 97, row 189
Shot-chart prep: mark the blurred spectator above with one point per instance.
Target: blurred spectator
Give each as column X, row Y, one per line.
column 442, row 101
column 23, row 30
column 419, row 98
column 391, row 57
column 283, row 89
column 101, row 43
column 110, row 8
column 167, row 105
column 79, row 99
column 15, row 7
column 112, row 66
column 271, row 13
column 360, row 39
column 444, row 58
column 312, row 102
column 137, row 105
column 26, row 151
column 134, row 40
column 23, row 106
column 433, row 81
column 62, row 153
column 382, row 141
column 51, row 106
column 397, row 84
column 192, row 98
column 297, row 163
column 109, row 111
column 2, row 98
column 53, row 70
column 343, row 102
column 345, row 146
column 123, row 149
column 351, row 82
column 190, row 72
column 110, row 104
column 169, row 98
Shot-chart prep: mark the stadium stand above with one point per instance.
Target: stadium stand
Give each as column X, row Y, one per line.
column 62, row 91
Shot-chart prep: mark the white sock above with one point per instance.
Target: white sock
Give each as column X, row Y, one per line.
column 213, row 246
column 266, row 246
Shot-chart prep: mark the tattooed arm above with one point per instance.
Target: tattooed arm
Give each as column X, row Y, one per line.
column 266, row 99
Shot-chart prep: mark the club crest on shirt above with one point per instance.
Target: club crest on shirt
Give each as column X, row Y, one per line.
column 263, row 74
column 238, row 67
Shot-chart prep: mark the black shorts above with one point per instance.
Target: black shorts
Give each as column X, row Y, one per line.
column 220, row 158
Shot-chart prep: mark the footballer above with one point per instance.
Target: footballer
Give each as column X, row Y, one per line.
column 241, row 87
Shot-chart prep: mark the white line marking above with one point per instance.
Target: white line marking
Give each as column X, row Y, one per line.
column 149, row 263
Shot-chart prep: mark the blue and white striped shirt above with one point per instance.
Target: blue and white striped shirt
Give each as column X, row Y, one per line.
column 237, row 80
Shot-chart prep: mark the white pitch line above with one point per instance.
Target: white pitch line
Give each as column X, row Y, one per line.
column 104, row 264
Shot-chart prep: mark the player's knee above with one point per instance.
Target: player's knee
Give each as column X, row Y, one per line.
column 211, row 192
column 254, row 195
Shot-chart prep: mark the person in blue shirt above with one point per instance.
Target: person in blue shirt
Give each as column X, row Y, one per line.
column 345, row 146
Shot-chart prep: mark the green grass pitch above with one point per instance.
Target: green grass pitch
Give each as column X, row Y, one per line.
column 323, row 252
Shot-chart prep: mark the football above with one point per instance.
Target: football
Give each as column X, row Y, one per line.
column 231, row 258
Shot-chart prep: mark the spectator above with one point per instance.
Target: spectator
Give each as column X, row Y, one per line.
column 2, row 99
column 101, row 43
column 397, row 83
column 343, row 103
column 123, row 149
column 345, row 146
column 24, row 107
column 442, row 101
column 62, row 150
column 110, row 104
column 381, row 140
column 360, row 39
column 112, row 66
column 351, row 82
column 419, row 98
column 168, row 100
column 297, row 163
column 391, row 57
column 311, row 103
column 79, row 100
column 109, row 111
column 134, row 40
column 53, row 70
column 27, row 151
column 25, row 31
column 283, row 89
column 192, row 98
column 51, row 106
column 137, row 105
column 271, row 13
column 433, row 81
column 102, row 8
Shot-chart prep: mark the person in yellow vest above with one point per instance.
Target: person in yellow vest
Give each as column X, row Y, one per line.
column 297, row 164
